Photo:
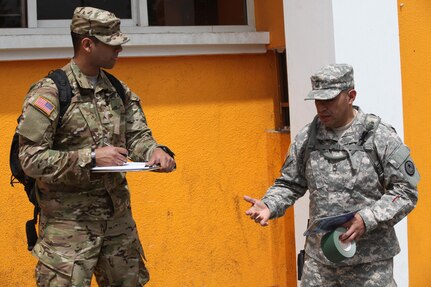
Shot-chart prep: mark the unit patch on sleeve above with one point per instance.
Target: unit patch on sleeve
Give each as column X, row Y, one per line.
column 410, row 167
column 44, row 105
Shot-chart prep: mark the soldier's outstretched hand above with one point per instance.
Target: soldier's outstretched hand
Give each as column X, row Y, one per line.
column 258, row 211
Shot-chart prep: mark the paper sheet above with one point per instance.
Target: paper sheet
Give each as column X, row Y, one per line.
column 128, row 166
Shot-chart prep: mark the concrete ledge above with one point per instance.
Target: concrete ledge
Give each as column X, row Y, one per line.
column 58, row 45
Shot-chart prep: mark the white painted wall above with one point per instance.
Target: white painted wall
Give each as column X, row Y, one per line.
column 363, row 33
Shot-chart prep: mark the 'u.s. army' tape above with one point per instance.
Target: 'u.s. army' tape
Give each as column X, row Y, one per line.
column 335, row 250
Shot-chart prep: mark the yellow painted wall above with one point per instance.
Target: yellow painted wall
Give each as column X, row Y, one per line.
column 269, row 17
column 214, row 112
column 415, row 44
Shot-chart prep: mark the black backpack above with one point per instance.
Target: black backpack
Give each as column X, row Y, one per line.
column 18, row 176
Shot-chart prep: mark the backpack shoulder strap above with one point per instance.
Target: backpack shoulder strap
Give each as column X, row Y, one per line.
column 117, row 85
column 371, row 123
column 64, row 90
column 311, row 141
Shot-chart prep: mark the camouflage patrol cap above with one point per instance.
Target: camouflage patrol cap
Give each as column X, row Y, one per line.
column 330, row 81
column 103, row 25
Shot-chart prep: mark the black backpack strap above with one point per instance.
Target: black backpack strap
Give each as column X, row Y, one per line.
column 117, row 85
column 14, row 164
column 64, row 90
column 30, row 229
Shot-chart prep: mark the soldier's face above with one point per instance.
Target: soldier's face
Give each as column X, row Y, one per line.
column 105, row 56
column 336, row 112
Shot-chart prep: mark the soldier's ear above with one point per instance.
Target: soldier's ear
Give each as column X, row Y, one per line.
column 86, row 44
column 352, row 95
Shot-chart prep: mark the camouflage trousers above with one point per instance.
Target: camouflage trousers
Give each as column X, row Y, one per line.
column 374, row 274
column 70, row 252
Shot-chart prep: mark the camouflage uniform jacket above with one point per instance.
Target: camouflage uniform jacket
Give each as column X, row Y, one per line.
column 59, row 156
column 337, row 187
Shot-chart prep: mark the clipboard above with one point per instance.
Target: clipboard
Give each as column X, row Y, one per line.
column 128, row 166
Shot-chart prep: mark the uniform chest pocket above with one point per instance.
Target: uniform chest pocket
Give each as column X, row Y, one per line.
column 334, row 175
column 116, row 114
column 79, row 125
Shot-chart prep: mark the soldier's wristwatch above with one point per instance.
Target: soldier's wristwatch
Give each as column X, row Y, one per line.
column 167, row 150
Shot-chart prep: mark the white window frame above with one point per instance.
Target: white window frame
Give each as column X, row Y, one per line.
column 140, row 20
column 50, row 39
column 34, row 23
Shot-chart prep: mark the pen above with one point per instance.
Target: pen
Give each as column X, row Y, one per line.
column 127, row 156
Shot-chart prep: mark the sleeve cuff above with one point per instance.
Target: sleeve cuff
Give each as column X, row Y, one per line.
column 84, row 157
column 271, row 208
column 147, row 155
column 368, row 218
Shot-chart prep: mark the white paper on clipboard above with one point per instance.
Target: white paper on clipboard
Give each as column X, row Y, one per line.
column 128, row 166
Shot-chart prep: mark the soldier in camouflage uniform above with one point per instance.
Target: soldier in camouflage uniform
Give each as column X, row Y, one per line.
column 86, row 225
column 342, row 180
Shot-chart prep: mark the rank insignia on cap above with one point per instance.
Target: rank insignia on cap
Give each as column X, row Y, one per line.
column 44, row 105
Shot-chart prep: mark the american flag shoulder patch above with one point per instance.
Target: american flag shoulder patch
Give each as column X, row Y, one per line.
column 44, row 105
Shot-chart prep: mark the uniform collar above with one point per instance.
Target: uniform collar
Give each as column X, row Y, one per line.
column 81, row 79
column 351, row 135
column 102, row 83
